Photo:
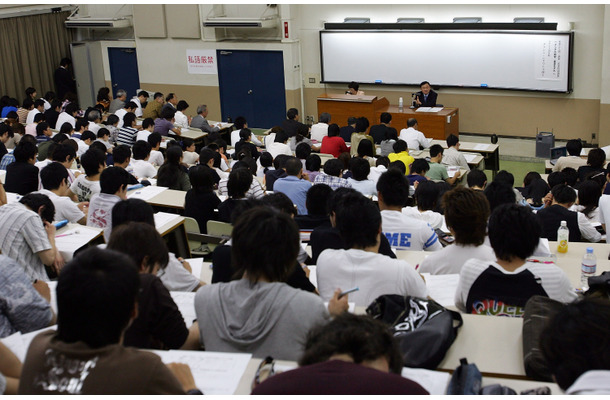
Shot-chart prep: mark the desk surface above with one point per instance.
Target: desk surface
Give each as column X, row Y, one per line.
column 74, row 236
column 471, row 158
column 470, row 146
column 169, row 198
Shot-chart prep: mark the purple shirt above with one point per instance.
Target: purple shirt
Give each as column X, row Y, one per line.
column 163, row 126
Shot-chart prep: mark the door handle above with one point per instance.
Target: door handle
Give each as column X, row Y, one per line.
column 115, row 85
column 250, row 91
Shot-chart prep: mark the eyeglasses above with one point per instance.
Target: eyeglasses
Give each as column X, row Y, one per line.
column 266, row 369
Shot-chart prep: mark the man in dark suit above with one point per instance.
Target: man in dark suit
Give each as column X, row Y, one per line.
column 63, row 79
column 426, row 97
column 378, row 132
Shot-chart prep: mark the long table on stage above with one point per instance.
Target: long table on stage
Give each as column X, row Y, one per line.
column 436, row 125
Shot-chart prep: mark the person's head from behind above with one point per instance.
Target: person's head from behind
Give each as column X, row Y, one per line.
column 148, row 124
column 280, row 202
column 154, row 139
column 359, row 221
column 168, row 114
column 567, row 353
column 400, row 146
column 142, row 243
column 240, row 123
column 64, row 153
column 365, row 149
column 141, row 150
column 239, row 182
column 294, row 166
column 563, row 195
column 201, row 178
column 427, row 195
column 280, row 161
column 435, row 150
column 98, row 146
column 292, row 113
column 54, row 177
column 312, row 163
column 589, row 193
column 420, row 167
column 385, row 118
column 362, row 124
column 121, row 155
column 302, row 151
column 361, row 338
column 255, row 232
column 393, row 189
column 266, row 160
column 173, row 156
column 476, row 179
column 466, row 214
column 499, row 193
column 43, row 129
column 41, row 205
column 132, row 210
column 570, row 175
column 513, row 232
column 556, row 178
column 129, row 120
column 280, row 137
column 25, row 151
column 317, row 199
column 114, row 180
column 596, row 158
column 360, row 167
column 96, row 297
column 574, row 147
column 245, row 134
column 333, row 130
column 399, row 166
column 333, row 167
column 452, row 140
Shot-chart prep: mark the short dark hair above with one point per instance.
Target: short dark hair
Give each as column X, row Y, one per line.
column 313, row 162
column 91, row 161
column 324, row 117
column 556, row 178
column 201, row 178
column 360, row 337
column 424, row 83
column 55, row 103
column 4, row 128
column 182, row 105
column 141, row 149
column 38, row 103
column 596, row 158
column 360, row 167
column 499, row 193
column 36, row 200
column 63, row 152
column 353, row 85
column 113, row 179
column 143, row 93
column 574, row 147
column 96, row 317
column 239, row 122
column 41, row 127
column 427, row 194
column 103, row 132
column 132, row 210
column 72, row 108
column 567, row 355
column 121, row 153
column 80, row 123
column 513, row 231
column 239, row 182
column 280, row 137
column 333, row 130
column 53, row 175
column 398, row 165
column 351, row 120
column 168, row 113
column 154, row 139
column 358, row 220
column 452, row 140
column 411, row 122
column 563, row 194
column 128, row 119
column 292, row 113
column 400, row 146
column 245, row 134
column 99, row 146
column 570, row 175
column 505, row 177
column 420, row 165
column 254, row 233
column 293, row 166
column 205, row 155
column 476, row 177
column 302, row 151
column 317, row 198
column 141, row 242
column 30, row 91
column 365, row 148
column 280, row 161
column 24, row 151
column 466, row 212
column 362, row 124
column 170, row 96
column 147, row 123
column 39, row 117
column 393, row 186
column 333, row 167
column 157, row 95
column 280, row 202
column 266, row 159
column 385, row 117
column 65, row 62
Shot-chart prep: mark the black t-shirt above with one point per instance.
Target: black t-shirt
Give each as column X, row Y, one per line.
column 3, row 150
column 200, row 205
column 21, row 178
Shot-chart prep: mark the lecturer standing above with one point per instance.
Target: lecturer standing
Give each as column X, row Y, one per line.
column 426, row 97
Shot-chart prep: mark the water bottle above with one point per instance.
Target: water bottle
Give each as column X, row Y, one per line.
column 400, row 104
column 563, row 233
column 589, row 264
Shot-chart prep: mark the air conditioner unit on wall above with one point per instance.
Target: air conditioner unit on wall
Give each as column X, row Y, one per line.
column 92, row 23
column 229, row 22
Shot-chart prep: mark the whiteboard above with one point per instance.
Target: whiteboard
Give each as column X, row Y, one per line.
column 497, row 60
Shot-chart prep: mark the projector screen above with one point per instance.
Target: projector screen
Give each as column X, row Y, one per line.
column 514, row 60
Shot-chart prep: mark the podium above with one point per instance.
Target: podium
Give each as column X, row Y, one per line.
column 343, row 106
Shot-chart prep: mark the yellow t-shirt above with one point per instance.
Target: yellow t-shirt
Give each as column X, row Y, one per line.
column 403, row 156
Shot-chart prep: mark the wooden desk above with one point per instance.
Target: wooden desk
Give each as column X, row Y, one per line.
column 169, row 198
column 343, row 106
column 490, row 152
column 570, row 262
column 437, row 125
column 173, row 231
column 71, row 244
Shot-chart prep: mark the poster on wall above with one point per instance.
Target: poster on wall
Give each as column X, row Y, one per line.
column 201, row 61
column 549, row 59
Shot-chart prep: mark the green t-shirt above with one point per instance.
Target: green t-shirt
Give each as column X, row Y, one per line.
column 438, row 172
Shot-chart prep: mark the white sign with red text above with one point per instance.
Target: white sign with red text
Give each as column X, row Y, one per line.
column 201, row 61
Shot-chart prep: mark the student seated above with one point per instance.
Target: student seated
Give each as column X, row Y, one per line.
column 378, row 132
column 498, row 193
column 333, row 170
column 589, row 193
column 165, row 123
column 362, row 124
column 239, row 182
column 259, row 313
column 427, row 196
column 190, row 154
column 418, row 171
column 26, row 304
column 573, row 159
column 141, row 167
column 345, row 132
column 550, row 217
column 103, row 136
column 279, row 145
column 360, row 169
column 359, row 222
column 201, row 202
column 452, row 156
column 476, row 179
column 466, row 213
column 351, row 355
column 159, row 324
column 122, row 159
column 245, row 142
column 438, row 171
column 86, row 354
column 172, row 173
column 54, row 178
column 295, row 186
column 256, row 190
column 579, row 366
column 535, row 189
column 402, row 231
column 88, row 184
column 22, row 175
column 401, row 153
column 332, row 143
column 316, row 202
column 414, row 138
column 278, row 171
column 128, row 133
column 595, row 164
column 113, row 185
column 503, row 287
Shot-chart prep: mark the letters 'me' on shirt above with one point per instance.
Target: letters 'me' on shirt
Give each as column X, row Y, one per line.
column 407, row 233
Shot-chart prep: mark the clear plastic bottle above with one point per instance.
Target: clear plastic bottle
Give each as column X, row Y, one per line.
column 588, row 267
column 400, row 104
column 563, row 233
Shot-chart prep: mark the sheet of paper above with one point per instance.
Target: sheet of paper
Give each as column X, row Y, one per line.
column 196, row 265
column 146, row 193
column 435, row 109
column 12, row 197
column 482, row 147
column 313, row 277
column 452, row 170
column 214, row 373
column 423, row 109
column 470, row 157
column 442, row 288
column 15, row 344
column 53, row 290
column 162, row 218
column 186, row 304
column 70, row 240
column 435, row 382
column 2, row 176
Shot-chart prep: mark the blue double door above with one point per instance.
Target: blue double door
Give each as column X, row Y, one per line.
column 124, row 70
column 252, row 86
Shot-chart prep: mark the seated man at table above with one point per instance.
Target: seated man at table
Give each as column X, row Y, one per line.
column 113, row 185
column 86, row 351
column 402, row 231
column 573, row 159
column 579, row 366
column 165, row 124
column 320, row 130
column 378, row 132
column 22, row 175
column 452, row 156
column 438, row 171
column 142, row 169
column 291, row 123
column 200, row 122
column 28, row 237
column 503, row 287
column 414, row 138
column 401, row 153
column 359, row 223
column 426, row 97
column 54, row 178
column 352, row 354
column 88, row 184
column 153, row 108
column 476, row 179
column 294, row 185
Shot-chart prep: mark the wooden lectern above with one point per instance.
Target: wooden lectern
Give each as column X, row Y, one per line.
column 343, row 106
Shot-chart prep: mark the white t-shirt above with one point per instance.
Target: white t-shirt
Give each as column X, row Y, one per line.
column 366, row 187
column 376, row 173
column 63, row 118
column 319, row 131
column 143, row 135
column 82, row 147
column 451, row 259
column 93, row 127
column 176, row 278
column 84, row 188
column 143, row 169
column 407, row 233
column 30, row 118
column 138, row 110
column 100, row 210
column 190, row 157
column 604, row 210
column 120, row 113
column 374, row 274
column 277, row 148
column 41, row 164
column 434, row 219
column 181, row 120
column 64, row 207
column 156, row 158
column 414, row 138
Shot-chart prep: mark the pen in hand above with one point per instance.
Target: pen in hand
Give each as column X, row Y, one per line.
column 348, row 291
